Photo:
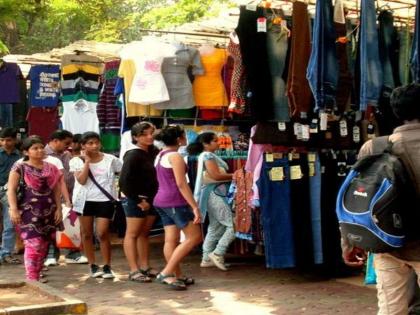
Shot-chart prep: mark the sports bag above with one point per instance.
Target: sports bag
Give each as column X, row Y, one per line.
column 376, row 206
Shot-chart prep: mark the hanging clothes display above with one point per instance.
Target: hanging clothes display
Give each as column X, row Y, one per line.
column 277, row 45
column 371, row 77
column 238, row 83
column 43, row 121
column 127, row 71
column 10, row 75
column 45, row 85
column 298, row 91
column 343, row 45
column 253, row 44
column 175, row 73
column 80, row 92
column 148, row 86
column 405, row 40
column 415, row 49
column 109, row 113
column 209, row 90
column 322, row 72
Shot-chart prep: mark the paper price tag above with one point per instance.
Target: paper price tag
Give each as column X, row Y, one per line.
column 305, row 132
column 311, row 157
column 303, row 115
column 295, row 156
column 356, row 134
column 343, row 128
column 269, row 157
column 313, row 127
column 262, row 25
column 282, row 126
column 311, row 169
column 278, row 156
column 251, row 7
column 324, row 121
column 371, row 131
column 277, row 174
column 295, row 172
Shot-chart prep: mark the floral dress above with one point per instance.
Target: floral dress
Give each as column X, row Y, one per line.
column 37, row 207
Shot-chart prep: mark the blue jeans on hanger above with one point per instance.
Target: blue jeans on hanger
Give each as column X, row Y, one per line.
column 322, row 71
column 386, row 51
column 276, row 217
column 404, row 56
column 415, row 49
column 370, row 64
column 277, row 44
column 315, row 198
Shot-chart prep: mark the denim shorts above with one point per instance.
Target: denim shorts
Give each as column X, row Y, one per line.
column 131, row 209
column 179, row 216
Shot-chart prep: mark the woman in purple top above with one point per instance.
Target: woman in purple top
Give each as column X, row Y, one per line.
column 37, row 212
column 173, row 202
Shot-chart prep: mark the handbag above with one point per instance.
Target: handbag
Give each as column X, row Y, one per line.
column 70, row 237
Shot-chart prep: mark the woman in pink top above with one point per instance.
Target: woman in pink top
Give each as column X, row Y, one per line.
column 174, row 201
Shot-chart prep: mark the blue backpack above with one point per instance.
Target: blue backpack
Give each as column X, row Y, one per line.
column 377, row 208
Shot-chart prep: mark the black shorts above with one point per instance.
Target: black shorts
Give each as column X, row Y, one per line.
column 99, row 209
column 131, row 209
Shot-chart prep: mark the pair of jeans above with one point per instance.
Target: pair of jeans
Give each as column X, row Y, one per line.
column 415, row 48
column 404, row 55
column 370, row 65
column 277, row 44
column 6, row 115
column 322, row 72
column 387, row 51
column 276, row 216
column 301, row 214
column 253, row 46
column 298, row 90
column 9, row 232
column 315, row 200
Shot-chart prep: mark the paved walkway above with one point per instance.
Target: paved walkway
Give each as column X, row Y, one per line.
column 248, row 289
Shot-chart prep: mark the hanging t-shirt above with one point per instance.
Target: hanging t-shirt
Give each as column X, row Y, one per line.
column 42, row 121
column 10, row 75
column 45, row 85
column 80, row 117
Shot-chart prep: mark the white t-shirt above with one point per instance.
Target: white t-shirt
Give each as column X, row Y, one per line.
column 104, row 173
column 50, row 159
column 80, row 116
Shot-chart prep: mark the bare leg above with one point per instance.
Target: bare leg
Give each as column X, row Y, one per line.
column 102, row 230
column 134, row 226
column 86, row 225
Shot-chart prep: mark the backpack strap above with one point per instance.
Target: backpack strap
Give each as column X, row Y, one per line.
column 381, row 144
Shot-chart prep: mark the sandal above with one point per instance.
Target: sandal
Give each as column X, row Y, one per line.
column 12, row 260
column 175, row 285
column 187, row 280
column 137, row 276
column 150, row 272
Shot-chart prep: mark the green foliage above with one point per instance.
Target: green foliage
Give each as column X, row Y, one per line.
column 29, row 26
column 3, row 48
column 181, row 12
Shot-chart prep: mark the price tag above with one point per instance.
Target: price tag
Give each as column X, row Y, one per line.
column 295, row 156
column 311, row 169
column 305, row 132
column 356, row 134
column 276, row 174
column 370, row 131
column 311, row 157
column 282, row 126
column 269, row 157
column 358, row 116
column 343, row 128
column 295, row 172
column 303, row 115
column 278, row 156
column 324, row 121
column 251, row 7
column 298, row 131
column 262, row 25
column 313, row 127
column 290, row 156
